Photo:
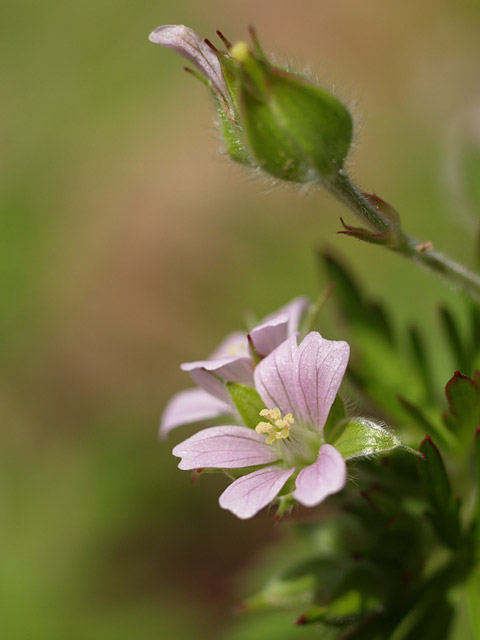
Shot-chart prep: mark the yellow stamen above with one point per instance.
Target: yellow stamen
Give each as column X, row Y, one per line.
column 277, row 428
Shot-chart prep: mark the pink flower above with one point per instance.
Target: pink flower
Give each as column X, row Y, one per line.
column 230, row 362
column 298, row 384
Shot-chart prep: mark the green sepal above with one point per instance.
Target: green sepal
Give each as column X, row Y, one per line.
column 296, row 131
column 444, row 507
column 335, row 420
column 232, row 138
column 247, row 402
column 361, row 437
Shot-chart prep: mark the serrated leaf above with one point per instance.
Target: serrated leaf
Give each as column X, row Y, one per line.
column 444, row 507
column 363, row 437
column 247, row 402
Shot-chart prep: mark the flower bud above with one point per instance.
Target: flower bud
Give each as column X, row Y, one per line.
column 270, row 118
column 295, row 130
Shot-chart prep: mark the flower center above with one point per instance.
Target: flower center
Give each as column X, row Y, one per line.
column 277, row 428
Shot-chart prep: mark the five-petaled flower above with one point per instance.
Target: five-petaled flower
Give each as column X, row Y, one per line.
column 231, row 361
column 297, row 384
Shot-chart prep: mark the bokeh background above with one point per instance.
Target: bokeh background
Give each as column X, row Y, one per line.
column 128, row 244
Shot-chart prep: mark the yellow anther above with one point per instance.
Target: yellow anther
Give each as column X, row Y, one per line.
column 271, row 414
column 277, row 428
column 264, row 427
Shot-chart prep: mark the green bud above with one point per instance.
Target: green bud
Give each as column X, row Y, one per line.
column 269, row 118
column 292, row 129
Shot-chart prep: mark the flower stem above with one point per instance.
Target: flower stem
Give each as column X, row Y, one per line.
column 422, row 253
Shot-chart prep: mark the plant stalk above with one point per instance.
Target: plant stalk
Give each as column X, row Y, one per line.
column 422, row 253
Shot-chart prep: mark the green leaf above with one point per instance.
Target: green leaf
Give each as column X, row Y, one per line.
column 434, row 621
column 363, row 437
column 283, row 594
column 356, row 595
column 477, row 513
column 472, row 591
column 421, row 360
column 381, row 321
column 455, row 340
column 444, row 507
column 427, row 423
column 247, row 401
column 464, row 401
column 347, row 291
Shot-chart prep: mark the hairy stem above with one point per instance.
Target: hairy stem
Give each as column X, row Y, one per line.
column 347, row 192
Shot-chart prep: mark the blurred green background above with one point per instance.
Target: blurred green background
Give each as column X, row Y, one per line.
column 128, row 244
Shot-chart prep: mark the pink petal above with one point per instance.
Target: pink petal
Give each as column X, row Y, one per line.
column 191, row 46
column 224, row 448
column 248, row 495
column 320, row 366
column 322, row 478
column 235, row 344
column 295, row 311
column 211, row 374
column 191, row 405
column 275, row 377
column 278, row 326
column 267, row 336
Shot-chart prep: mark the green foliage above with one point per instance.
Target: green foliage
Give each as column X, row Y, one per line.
column 379, row 570
column 444, row 507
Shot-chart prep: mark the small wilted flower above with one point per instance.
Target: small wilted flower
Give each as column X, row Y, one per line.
column 271, row 118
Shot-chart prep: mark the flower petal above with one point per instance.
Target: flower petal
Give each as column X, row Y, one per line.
column 224, row 448
column 295, row 310
column 275, row 379
column 191, row 405
column 247, row 495
column 322, row 478
column 278, row 326
column 269, row 335
column 320, row 366
column 211, row 374
column 235, row 344
column 191, row 46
